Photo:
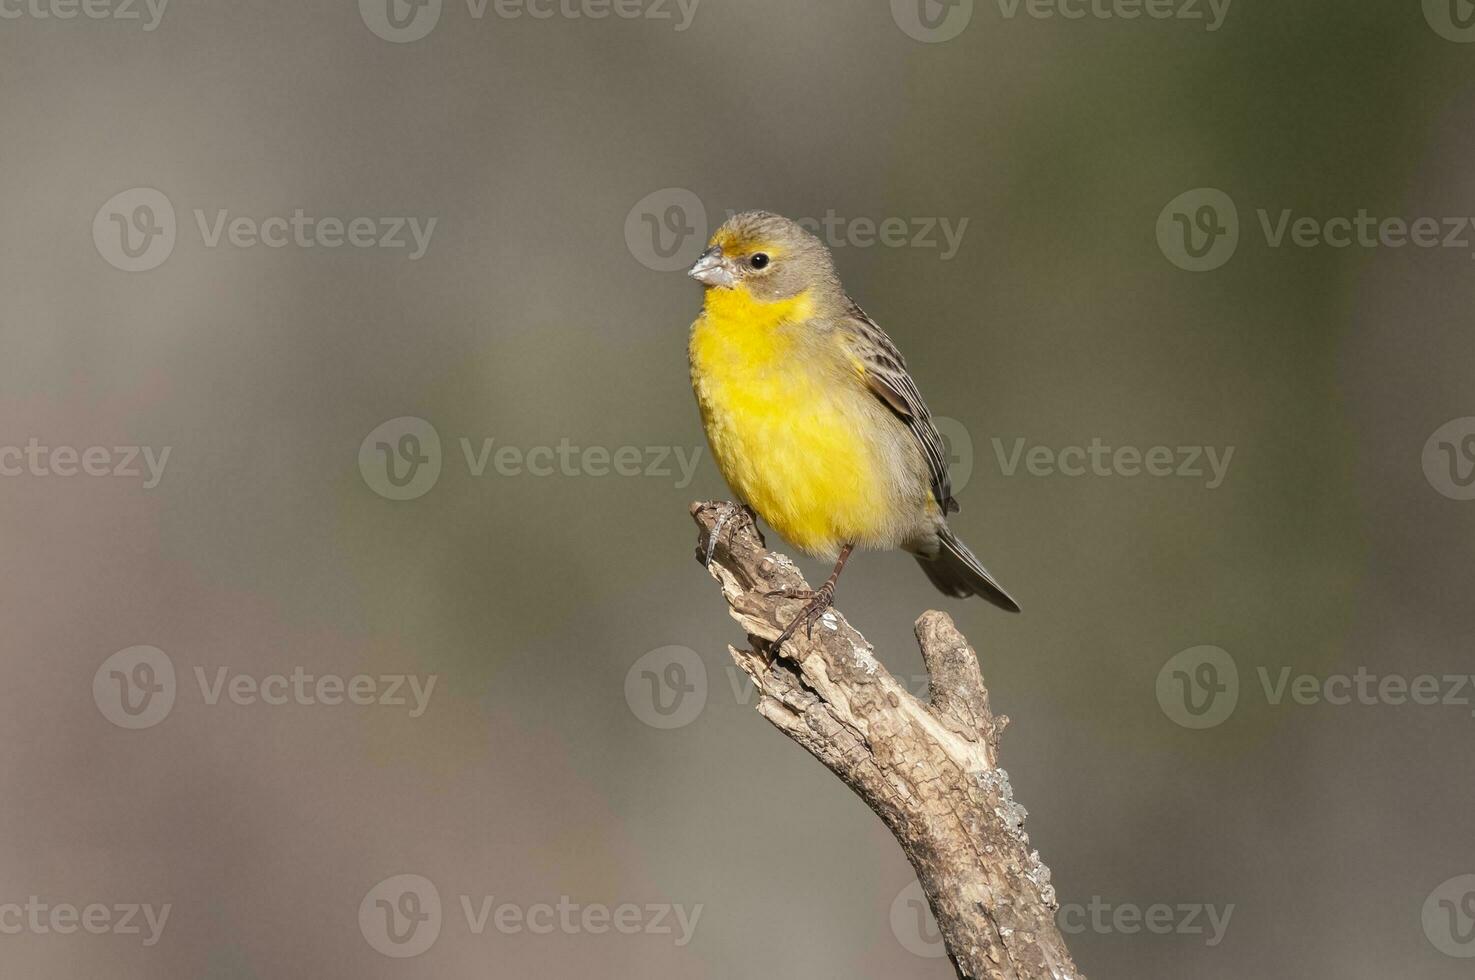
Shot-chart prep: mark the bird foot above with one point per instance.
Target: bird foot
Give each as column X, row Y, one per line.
column 725, row 521
column 819, row 601
column 805, row 594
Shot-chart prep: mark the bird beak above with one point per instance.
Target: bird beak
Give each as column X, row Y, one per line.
column 711, row 270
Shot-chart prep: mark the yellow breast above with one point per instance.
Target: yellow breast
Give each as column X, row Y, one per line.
column 790, row 438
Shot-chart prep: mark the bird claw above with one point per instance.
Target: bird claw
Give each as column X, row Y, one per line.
column 730, row 510
column 819, row 601
column 805, row 594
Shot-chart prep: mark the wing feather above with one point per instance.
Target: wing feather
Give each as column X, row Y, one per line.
column 886, row 374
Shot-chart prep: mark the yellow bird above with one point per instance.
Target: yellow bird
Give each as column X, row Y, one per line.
column 812, row 416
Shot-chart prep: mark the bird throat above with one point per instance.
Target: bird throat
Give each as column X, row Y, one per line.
column 736, row 325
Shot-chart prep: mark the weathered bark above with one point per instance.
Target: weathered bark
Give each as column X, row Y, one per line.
column 929, row 770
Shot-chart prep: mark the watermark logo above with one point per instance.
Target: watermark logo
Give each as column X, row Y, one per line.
column 308, row 231
column 1449, row 917
column 119, row 10
column 401, row 916
column 1453, row 20
column 1363, row 687
column 932, row 21
column 39, row 917
column 659, row 695
column 135, row 230
column 36, row 459
column 1199, row 687
column 958, row 442
column 667, row 229
column 412, row 691
column 567, row 459
column 667, row 687
column 1207, row 463
column 1199, row 229
column 403, row 21
column 1211, row 12
column 1105, row 918
column 400, row 21
column 1449, row 459
column 135, row 688
column 913, row 924
column 567, row 917
column 400, row 459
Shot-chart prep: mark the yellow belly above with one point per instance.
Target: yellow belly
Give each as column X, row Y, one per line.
column 792, row 442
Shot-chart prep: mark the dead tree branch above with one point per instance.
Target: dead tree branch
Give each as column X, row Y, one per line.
column 929, row 770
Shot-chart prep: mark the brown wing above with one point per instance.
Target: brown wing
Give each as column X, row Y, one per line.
column 886, row 374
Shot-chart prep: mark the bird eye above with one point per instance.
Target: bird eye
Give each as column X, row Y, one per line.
column 758, row 260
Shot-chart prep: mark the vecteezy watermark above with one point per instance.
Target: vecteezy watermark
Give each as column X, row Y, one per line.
column 1104, row 918
column 35, row 459
column 958, row 443
column 571, row 460
column 1449, row 917
column 136, row 230
column 401, row 459
column 1449, row 459
column 1209, row 13
column 38, row 917
column 403, row 21
column 1100, row 460
column 667, row 687
column 1199, row 230
column 914, row 926
column 147, row 13
column 1199, row 688
column 402, row 916
column 666, row 230
column 1453, row 20
column 136, row 688
column 934, row 21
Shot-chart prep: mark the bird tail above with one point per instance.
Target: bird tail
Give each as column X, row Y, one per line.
column 957, row 572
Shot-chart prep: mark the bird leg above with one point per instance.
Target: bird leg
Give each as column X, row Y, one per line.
column 730, row 510
column 819, row 600
column 753, row 520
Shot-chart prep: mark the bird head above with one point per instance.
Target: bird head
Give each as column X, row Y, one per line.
column 765, row 255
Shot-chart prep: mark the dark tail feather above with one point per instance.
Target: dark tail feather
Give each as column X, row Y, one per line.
column 956, row 572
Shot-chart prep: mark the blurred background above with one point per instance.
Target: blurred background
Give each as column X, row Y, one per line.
column 352, row 627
